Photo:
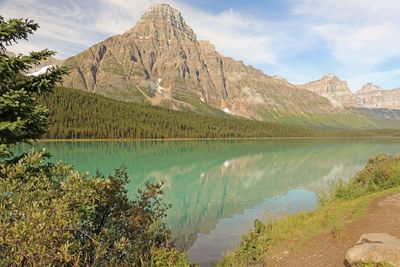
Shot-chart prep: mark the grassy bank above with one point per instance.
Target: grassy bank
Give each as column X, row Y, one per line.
column 346, row 202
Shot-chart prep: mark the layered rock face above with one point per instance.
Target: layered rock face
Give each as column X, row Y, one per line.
column 161, row 61
column 372, row 96
column 335, row 90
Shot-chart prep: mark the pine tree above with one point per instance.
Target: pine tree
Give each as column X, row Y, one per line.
column 21, row 118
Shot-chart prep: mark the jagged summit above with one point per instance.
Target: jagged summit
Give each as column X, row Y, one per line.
column 330, row 76
column 373, row 96
column 165, row 11
column 160, row 61
column 162, row 21
column 369, row 87
column 336, row 90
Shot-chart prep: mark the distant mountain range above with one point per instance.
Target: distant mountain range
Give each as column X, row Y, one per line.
column 160, row 61
column 369, row 96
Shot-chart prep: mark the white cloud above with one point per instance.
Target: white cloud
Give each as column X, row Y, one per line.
column 381, row 78
column 235, row 35
column 78, row 24
column 232, row 33
column 358, row 33
column 362, row 45
column 351, row 38
column 64, row 27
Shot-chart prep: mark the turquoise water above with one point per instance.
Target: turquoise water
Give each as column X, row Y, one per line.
column 218, row 188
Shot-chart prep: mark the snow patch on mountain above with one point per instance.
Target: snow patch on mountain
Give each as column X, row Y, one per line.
column 43, row 70
column 227, row 111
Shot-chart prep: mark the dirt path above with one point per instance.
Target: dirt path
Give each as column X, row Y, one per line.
column 382, row 216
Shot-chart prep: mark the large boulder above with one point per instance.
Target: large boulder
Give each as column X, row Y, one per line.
column 377, row 248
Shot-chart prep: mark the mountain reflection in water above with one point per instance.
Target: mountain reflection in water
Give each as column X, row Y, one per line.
column 218, row 188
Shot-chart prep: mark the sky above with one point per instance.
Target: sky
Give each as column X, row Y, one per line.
column 300, row 40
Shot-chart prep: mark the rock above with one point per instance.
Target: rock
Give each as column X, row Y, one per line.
column 377, row 238
column 336, row 90
column 162, row 46
column 377, row 248
column 372, row 96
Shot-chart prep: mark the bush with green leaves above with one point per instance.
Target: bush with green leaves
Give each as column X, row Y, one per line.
column 50, row 214
column 381, row 172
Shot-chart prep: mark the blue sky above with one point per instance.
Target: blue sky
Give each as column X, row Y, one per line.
column 300, row 40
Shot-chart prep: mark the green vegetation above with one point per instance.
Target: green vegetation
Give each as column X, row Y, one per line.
column 372, row 264
column 351, row 119
column 49, row 213
column 76, row 114
column 21, row 118
column 347, row 201
column 381, row 172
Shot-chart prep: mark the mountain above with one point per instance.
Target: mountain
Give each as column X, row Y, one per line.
column 335, row 90
column 372, row 96
column 368, row 88
column 160, row 61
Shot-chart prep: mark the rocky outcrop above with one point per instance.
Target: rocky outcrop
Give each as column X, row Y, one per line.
column 368, row 88
column 335, row 90
column 161, row 61
column 375, row 248
column 372, row 96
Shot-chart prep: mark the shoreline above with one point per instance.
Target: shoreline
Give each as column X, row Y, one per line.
column 212, row 139
column 292, row 238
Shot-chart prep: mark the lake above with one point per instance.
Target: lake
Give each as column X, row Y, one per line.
column 218, row 188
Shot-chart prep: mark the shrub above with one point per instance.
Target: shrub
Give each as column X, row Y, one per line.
column 52, row 215
column 381, row 172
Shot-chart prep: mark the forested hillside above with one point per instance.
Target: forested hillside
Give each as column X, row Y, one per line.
column 78, row 114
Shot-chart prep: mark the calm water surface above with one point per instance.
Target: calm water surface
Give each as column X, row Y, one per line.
column 218, row 188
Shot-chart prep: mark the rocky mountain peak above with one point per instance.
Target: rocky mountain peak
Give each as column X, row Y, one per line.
column 336, row 90
column 330, row 77
column 160, row 61
column 162, row 21
column 369, row 87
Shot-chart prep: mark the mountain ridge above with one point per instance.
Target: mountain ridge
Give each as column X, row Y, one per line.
column 334, row 89
column 369, row 96
column 160, row 60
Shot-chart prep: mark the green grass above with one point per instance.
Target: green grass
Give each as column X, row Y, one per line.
column 372, row 264
column 349, row 120
column 346, row 202
column 200, row 106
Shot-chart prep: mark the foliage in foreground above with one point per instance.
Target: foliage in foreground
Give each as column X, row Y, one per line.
column 348, row 199
column 51, row 214
column 381, row 172
column 21, row 118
